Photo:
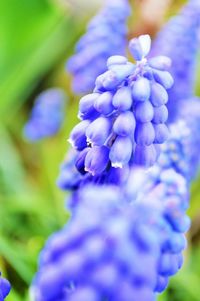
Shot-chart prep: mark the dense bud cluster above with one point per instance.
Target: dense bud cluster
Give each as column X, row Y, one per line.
column 123, row 121
column 47, row 115
column 179, row 40
column 4, row 288
column 106, row 36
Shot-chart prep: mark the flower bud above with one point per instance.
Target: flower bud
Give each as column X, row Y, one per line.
column 144, row 134
column 98, row 131
column 125, row 124
column 122, row 100
column 141, row 89
column 159, row 95
column 78, row 137
column 121, row 151
column 144, row 111
column 97, row 159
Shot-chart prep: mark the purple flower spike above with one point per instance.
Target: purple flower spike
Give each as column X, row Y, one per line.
column 115, row 228
column 105, row 36
column 47, row 115
column 178, row 40
column 109, row 239
column 128, row 106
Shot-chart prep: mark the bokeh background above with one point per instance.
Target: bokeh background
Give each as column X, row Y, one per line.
column 36, row 38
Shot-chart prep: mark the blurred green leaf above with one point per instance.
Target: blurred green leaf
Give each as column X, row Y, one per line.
column 33, row 37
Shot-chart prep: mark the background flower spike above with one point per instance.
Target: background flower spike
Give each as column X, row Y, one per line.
column 105, row 36
column 47, row 115
column 179, row 40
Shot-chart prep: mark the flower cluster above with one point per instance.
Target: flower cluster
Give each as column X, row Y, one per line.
column 91, row 260
column 47, row 115
column 126, row 217
column 94, row 260
column 4, row 288
column 179, row 40
column 152, row 210
column 106, row 36
column 123, row 121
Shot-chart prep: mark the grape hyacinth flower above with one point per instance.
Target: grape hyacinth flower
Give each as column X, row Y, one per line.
column 179, row 40
column 190, row 112
column 47, row 115
column 143, row 225
column 4, row 288
column 91, row 260
column 168, row 181
column 106, row 36
column 124, row 119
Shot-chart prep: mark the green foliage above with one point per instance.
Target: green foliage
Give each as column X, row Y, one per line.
column 35, row 37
